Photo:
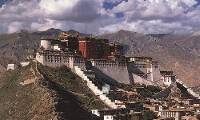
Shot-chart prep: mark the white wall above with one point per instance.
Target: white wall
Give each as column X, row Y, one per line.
column 115, row 72
column 23, row 64
column 167, row 81
column 11, row 67
column 108, row 117
column 96, row 112
column 56, row 47
column 46, row 44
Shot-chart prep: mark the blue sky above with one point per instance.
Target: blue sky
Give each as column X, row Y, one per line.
column 198, row 3
column 110, row 5
column 2, row 2
column 101, row 16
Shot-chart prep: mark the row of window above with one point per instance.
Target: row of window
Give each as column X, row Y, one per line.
column 168, row 114
column 56, row 59
column 59, row 59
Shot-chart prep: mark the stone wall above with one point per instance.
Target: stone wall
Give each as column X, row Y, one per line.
column 114, row 70
column 128, row 73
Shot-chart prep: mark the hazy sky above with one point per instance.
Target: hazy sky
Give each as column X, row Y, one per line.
column 101, row 16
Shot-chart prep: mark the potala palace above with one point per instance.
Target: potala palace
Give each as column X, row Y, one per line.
column 95, row 59
column 69, row 50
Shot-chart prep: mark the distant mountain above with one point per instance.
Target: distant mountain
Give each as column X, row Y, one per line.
column 50, row 32
column 75, row 32
column 180, row 53
column 16, row 47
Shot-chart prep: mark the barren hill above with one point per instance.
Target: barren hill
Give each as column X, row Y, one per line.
column 59, row 95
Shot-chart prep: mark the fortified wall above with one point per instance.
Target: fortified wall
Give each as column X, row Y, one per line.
column 122, row 72
column 129, row 72
column 115, row 70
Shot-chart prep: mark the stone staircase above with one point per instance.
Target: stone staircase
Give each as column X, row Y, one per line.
column 95, row 89
column 190, row 91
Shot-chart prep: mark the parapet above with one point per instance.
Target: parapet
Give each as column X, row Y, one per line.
column 166, row 73
column 139, row 59
column 105, row 62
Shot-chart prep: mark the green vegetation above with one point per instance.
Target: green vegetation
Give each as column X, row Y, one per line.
column 149, row 91
column 129, row 87
column 16, row 101
column 73, row 98
column 153, row 89
column 149, row 115
column 73, row 84
column 61, row 94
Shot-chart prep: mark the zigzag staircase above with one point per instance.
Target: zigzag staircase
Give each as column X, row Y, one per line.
column 95, row 89
column 189, row 89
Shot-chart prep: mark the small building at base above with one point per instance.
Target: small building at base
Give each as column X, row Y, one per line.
column 23, row 64
column 11, row 67
column 108, row 117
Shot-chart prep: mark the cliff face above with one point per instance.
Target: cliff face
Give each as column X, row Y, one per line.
column 179, row 53
column 59, row 95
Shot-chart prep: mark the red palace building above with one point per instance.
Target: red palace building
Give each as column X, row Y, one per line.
column 88, row 47
column 92, row 48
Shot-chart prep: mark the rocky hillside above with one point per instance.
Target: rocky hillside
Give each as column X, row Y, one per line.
column 23, row 102
column 17, row 46
column 58, row 95
column 180, row 53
